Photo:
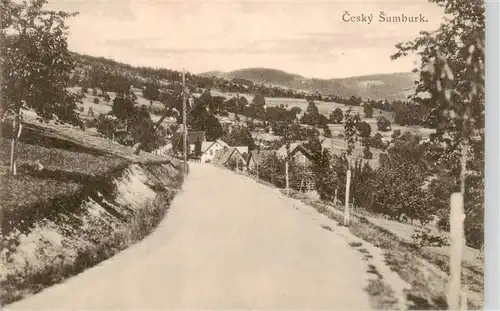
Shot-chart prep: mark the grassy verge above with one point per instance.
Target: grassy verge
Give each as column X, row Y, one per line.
column 424, row 269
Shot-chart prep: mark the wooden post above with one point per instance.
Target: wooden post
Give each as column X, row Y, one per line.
column 286, row 173
column 457, row 245
column 347, row 188
column 257, row 165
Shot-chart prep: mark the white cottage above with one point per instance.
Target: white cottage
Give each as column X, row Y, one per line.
column 209, row 148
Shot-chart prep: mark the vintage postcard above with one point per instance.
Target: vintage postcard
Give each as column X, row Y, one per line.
column 242, row 155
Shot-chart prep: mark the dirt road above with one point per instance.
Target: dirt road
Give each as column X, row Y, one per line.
column 227, row 243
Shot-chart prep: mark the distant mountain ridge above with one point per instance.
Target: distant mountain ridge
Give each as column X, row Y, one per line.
column 391, row 86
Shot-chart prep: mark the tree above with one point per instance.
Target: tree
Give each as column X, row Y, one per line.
column 259, row 100
column 311, row 116
column 36, row 65
column 350, row 123
column 364, row 129
column 240, row 137
column 383, row 124
column 337, row 116
column 90, row 113
column 377, row 142
column 151, row 91
column 452, row 72
column 213, row 128
column 327, row 132
column 123, row 108
column 398, row 185
column 368, row 110
column 197, row 148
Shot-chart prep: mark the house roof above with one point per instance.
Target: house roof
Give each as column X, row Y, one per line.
column 242, row 149
column 257, row 156
column 208, row 144
column 294, row 147
column 223, row 155
column 192, row 137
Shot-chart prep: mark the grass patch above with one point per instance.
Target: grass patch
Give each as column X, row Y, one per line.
column 355, row 244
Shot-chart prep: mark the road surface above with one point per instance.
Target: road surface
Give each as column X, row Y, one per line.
column 227, row 243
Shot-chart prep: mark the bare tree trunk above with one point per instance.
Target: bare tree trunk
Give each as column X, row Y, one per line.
column 335, row 196
column 463, row 166
column 347, row 188
column 16, row 133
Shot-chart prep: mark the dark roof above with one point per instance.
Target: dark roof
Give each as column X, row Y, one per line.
column 294, row 148
column 258, row 155
column 223, row 155
column 192, row 137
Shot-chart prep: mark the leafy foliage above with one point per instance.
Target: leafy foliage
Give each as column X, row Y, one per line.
column 383, row 124
column 337, row 116
column 240, row 137
column 368, row 110
column 36, row 62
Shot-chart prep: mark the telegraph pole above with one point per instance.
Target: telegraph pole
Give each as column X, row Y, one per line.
column 184, row 126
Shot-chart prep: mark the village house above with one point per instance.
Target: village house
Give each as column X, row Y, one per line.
column 298, row 153
column 255, row 158
column 223, row 157
column 210, row 148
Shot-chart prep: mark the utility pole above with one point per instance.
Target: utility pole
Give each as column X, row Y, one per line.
column 184, row 126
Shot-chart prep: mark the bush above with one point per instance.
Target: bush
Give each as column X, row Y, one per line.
column 383, row 124
column 96, row 100
column 377, row 142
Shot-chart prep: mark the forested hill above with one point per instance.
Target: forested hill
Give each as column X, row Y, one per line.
column 269, row 82
column 392, row 86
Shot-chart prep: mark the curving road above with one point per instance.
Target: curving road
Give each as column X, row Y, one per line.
column 227, row 243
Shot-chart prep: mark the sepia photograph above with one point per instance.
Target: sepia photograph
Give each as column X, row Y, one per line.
column 242, row 155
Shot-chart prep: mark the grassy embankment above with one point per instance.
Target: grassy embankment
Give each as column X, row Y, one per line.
column 91, row 199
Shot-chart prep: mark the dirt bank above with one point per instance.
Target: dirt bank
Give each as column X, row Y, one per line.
column 43, row 244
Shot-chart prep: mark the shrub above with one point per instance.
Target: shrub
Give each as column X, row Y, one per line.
column 383, row 124
column 96, row 100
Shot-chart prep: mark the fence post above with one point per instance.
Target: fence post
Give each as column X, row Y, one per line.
column 286, row 173
column 347, row 188
column 457, row 244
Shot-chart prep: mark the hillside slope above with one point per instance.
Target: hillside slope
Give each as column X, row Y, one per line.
column 392, row 86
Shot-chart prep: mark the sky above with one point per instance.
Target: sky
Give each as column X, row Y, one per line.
column 309, row 38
